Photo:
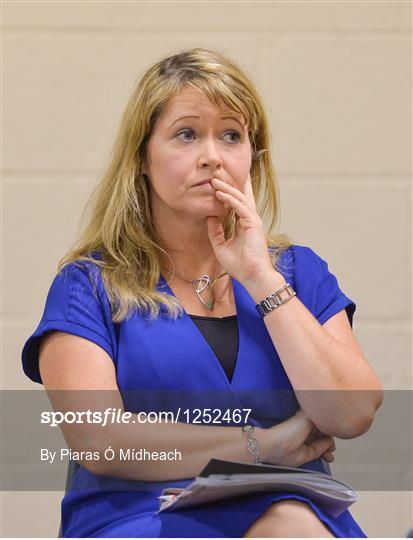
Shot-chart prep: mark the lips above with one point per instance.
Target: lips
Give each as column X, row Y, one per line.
column 206, row 181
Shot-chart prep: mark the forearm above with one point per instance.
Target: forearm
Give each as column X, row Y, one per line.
column 193, row 446
column 335, row 385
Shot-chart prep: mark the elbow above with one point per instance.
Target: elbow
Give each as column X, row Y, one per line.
column 378, row 396
column 359, row 420
column 345, row 428
column 90, row 460
column 360, row 423
column 104, row 463
column 99, row 466
column 90, row 453
column 95, row 466
column 354, row 428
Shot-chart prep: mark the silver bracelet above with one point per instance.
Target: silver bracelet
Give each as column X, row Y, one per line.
column 252, row 443
column 275, row 300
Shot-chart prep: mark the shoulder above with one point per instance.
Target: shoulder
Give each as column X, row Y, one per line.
column 307, row 272
column 300, row 261
column 77, row 282
column 81, row 270
column 76, row 304
column 313, row 281
column 302, row 254
column 307, row 258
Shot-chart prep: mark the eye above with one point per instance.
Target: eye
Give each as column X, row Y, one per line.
column 184, row 131
column 237, row 135
column 189, row 130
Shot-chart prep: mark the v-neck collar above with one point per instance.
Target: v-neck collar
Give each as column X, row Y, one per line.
column 243, row 303
column 258, row 374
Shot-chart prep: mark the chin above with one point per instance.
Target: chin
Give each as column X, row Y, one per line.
column 208, row 207
column 204, row 213
column 214, row 210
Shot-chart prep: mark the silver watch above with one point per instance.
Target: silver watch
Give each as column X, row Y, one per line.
column 275, row 300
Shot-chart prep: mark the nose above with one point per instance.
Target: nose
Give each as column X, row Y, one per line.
column 210, row 155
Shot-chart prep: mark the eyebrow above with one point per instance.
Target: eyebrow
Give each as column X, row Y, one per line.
column 222, row 118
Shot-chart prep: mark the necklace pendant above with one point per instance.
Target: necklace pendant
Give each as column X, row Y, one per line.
column 200, row 285
column 210, row 304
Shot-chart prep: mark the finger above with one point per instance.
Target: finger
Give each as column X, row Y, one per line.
column 330, row 450
column 328, row 456
column 332, row 447
column 240, row 207
column 318, row 447
column 215, row 231
column 248, row 191
column 219, row 185
column 304, row 454
column 319, row 434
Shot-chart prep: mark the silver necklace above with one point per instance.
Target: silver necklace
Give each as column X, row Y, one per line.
column 200, row 285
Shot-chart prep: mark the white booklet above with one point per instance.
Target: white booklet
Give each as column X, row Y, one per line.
column 222, row 479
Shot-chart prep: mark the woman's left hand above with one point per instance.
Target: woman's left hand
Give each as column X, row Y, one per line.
column 245, row 255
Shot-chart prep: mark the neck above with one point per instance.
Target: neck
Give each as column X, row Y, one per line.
column 191, row 255
column 187, row 243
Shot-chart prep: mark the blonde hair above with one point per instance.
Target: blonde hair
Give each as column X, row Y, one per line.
column 120, row 226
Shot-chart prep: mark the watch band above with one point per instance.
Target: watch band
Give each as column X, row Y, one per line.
column 275, row 300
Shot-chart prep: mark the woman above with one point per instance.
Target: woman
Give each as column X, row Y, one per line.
column 159, row 308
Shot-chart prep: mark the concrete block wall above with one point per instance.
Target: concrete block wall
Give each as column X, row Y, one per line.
column 336, row 81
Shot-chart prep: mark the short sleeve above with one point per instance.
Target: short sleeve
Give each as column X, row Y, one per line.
column 77, row 304
column 319, row 286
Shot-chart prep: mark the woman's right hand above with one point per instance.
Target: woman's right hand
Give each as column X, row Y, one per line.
column 294, row 442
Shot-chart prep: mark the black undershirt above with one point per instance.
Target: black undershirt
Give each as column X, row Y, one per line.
column 222, row 336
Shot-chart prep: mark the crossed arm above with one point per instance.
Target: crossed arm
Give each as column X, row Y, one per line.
column 334, row 383
column 337, row 390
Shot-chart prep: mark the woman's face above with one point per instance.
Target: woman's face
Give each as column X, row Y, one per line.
column 184, row 151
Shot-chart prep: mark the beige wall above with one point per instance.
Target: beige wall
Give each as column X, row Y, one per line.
column 336, row 81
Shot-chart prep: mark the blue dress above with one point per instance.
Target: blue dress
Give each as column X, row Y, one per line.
column 167, row 364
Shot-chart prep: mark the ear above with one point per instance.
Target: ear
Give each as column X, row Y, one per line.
column 145, row 175
column 144, row 164
column 144, row 171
